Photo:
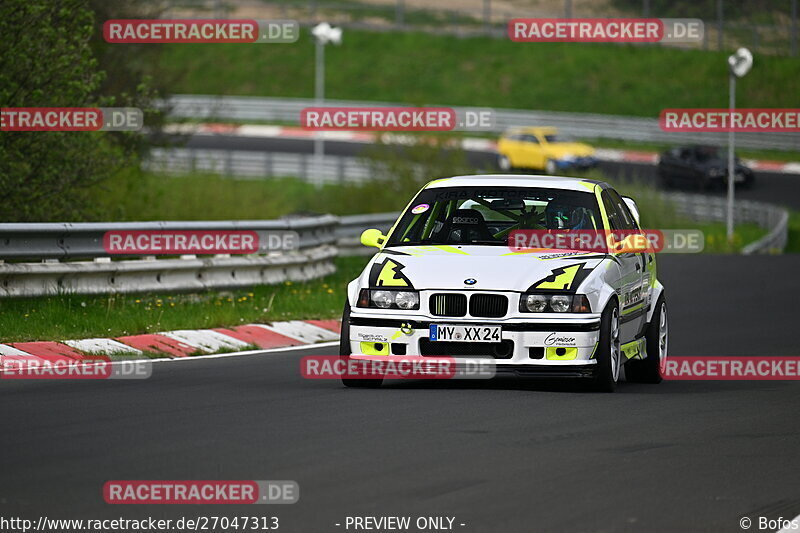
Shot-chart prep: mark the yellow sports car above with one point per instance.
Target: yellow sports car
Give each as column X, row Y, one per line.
column 542, row 149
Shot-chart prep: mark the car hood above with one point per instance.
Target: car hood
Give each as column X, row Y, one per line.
column 575, row 149
column 492, row 268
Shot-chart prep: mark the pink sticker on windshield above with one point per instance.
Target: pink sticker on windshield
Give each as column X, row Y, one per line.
column 421, row 208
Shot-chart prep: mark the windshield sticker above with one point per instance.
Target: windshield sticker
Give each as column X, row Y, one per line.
column 421, row 208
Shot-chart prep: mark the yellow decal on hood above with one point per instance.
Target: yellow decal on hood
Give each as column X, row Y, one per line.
column 561, row 279
column 388, row 275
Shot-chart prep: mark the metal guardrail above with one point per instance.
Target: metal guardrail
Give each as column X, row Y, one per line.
column 772, row 218
column 53, row 243
column 185, row 274
column 348, row 233
column 85, row 240
column 583, row 125
column 697, row 207
column 322, row 239
column 250, row 164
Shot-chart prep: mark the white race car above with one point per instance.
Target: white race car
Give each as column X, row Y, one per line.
column 446, row 283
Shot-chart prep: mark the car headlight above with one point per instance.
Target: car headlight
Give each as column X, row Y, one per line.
column 535, row 303
column 554, row 303
column 407, row 300
column 385, row 299
column 382, row 299
column 560, row 303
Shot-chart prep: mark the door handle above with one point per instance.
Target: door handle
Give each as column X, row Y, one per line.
column 638, row 267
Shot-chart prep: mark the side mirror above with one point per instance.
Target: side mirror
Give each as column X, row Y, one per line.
column 633, row 208
column 373, row 237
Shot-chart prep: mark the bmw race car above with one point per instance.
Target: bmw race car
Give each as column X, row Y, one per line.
column 446, row 283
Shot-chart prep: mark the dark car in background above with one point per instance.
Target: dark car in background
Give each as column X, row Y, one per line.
column 702, row 167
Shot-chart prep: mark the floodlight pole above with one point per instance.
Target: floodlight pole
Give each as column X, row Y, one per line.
column 731, row 170
column 739, row 64
column 319, row 97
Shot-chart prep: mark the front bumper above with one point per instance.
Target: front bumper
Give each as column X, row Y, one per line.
column 567, row 345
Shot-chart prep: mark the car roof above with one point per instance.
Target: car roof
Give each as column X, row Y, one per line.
column 517, row 180
column 536, row 130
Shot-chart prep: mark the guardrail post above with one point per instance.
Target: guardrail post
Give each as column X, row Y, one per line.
column 268, row 164
column 228, row 170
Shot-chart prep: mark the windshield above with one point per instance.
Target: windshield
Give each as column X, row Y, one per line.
column 486, row 215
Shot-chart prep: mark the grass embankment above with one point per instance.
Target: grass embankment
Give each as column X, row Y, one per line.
column 418, row 68
column 149, row 196
column 144, row 196
column 75, row 316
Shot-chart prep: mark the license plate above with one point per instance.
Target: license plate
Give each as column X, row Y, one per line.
column 446, row 332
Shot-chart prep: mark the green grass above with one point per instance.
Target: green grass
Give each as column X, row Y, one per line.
column 141, row 196
column 75, row 316
column 418, row 68
column 793, row 243
column 149, row 196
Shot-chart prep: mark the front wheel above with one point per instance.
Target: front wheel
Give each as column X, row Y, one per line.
column 344, row 353
column 503, row 162
column 650, row 369
column 608, row 352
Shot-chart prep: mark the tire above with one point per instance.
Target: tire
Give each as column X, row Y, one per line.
column 609, row 355
column 344, row 352
column 504, row 163
column 649, row 369
column 550, row 167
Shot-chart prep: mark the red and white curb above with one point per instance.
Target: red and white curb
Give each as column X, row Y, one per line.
column 180, row 343
column 466, row 143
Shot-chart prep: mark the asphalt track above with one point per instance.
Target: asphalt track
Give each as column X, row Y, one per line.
column 507, row 455
column 773, row 187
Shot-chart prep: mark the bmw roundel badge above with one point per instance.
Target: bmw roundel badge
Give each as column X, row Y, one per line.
column 470, row 281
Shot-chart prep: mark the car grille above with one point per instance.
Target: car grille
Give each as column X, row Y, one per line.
column 488, row 305
column 499, row 350
column 448, row 304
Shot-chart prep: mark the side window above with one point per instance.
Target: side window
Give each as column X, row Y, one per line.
column 627, row 217
column 614, row 218
column 530, row 139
